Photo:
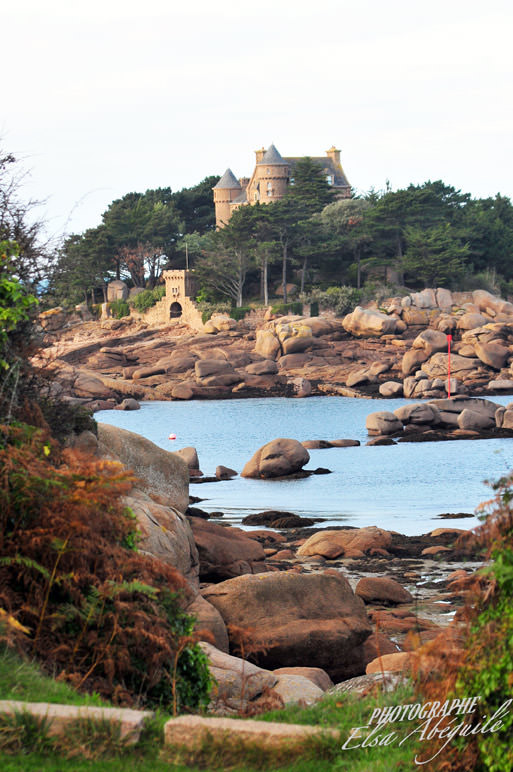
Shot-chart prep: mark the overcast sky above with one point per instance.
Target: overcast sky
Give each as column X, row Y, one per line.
column 104, row 98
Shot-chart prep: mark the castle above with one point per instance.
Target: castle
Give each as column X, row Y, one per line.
column 269, row 181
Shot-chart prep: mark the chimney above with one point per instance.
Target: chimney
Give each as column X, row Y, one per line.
column 259, row 154
column 334, row 154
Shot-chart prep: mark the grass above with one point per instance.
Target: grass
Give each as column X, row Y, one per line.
column 25, row 747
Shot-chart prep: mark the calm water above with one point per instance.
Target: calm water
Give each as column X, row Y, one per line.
column 401, row 487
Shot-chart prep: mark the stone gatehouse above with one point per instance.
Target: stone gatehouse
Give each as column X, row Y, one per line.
column 177, row 303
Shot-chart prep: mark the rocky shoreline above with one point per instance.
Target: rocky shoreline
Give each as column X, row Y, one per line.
column 398, row 349
column 312, row 608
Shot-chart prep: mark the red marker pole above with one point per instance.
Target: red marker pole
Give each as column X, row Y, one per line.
column 449, row 338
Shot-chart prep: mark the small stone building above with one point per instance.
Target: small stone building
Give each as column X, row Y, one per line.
column 177, row 303
column 117, row 290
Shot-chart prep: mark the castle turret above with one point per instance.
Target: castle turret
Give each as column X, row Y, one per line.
column 270, row 179
column 227, row 190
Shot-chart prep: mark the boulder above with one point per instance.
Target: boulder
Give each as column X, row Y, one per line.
column 366, row 323
column 412, row 360
column 444, row 299
column 165, row 534
column 485, row 300
column 190, row 456
column 382, row 589
column 436, row 367
column 91, row 387
column 225, row 473
column 475, row 420
column 492, row 354
column 264, row 367
column 209, row 621
column 182, row 391
column 159, row 471
column 205, row 367
column 424, row 299
column 297, row 619
column 417, row 413
column 471, row 321
column 430, row 341
column 504, row 418
column 293, row 361
column 297, row 690
column 315, row 674
column 449, row 409
column 129, row 404
column 390, row 663
column 415, row 317
column 278, row 458
column 376, row 645
column 225, row 552
column 237, row 681
column 502, row 384
column 348, row 543
column 301, row 386
column 383, row 422
column 294, row 337
column 267, row 344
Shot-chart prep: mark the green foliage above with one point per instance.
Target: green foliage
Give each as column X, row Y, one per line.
column 341, row 300
column 22, row 731
column 434, row 255
column 15, row 302
column 284, row 309
column 240, row 313
column 119, row 308
column 148, row 298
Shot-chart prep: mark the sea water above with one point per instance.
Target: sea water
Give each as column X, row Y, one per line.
column 401, row 487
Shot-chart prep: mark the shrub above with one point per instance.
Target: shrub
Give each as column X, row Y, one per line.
column 102, row 617
column 284, row 309
column 148, row 298
column 119, row 308
column 483, row 665
column 240, row 313
column 341, row 300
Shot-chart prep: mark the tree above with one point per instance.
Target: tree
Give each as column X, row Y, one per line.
column 346, row 220
column 19, row 224
column 143, row 228
column 434, row 255
column 196, row 206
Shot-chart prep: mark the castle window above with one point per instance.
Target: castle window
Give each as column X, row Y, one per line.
column 329, row 177
column 269, row 189
column 291, row 181
column 267, row 170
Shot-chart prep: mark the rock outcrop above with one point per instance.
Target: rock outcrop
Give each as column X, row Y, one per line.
column 278, row 458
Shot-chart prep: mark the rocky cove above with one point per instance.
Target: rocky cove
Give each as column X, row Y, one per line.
column 320, row 605
column 319, row 609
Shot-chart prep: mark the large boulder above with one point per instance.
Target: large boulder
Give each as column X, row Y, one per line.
column 315, row 674
column 351, row 543
column 417, row 413
column 296, row 689
column 368, row 323
column 165, row 534
column 485, row 300
column 279, row 458
column 382, row 589
column 296, row 619
column 391, row 389
column 225, row 552
column 413, row 359
column 264, row 367
column 90, row 386
column 294, row 337
column 209, row 623
column 159, row 471
column 475, row 420
column 237, row 682
column 437, row 366
column 471, row 321
column 492, row 354
column 383, row 422
column 450, row 409
column 430, row 341
column 267, row 344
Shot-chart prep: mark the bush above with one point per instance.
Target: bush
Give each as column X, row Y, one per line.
column 119, row 309
column 284, row 309
column 240, row 313
column 148, row 298
column 100, row 615
column 341, row 300
column 483, row 665
column 207, row 309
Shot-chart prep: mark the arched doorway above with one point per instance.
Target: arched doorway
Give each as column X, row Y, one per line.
column 175, row 311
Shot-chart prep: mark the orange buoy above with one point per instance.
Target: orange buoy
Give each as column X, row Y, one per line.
column 172, row 437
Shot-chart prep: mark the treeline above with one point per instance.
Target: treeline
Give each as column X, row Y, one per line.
column 423, row 235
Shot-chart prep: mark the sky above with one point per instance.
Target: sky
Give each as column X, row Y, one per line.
column 101, row 98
